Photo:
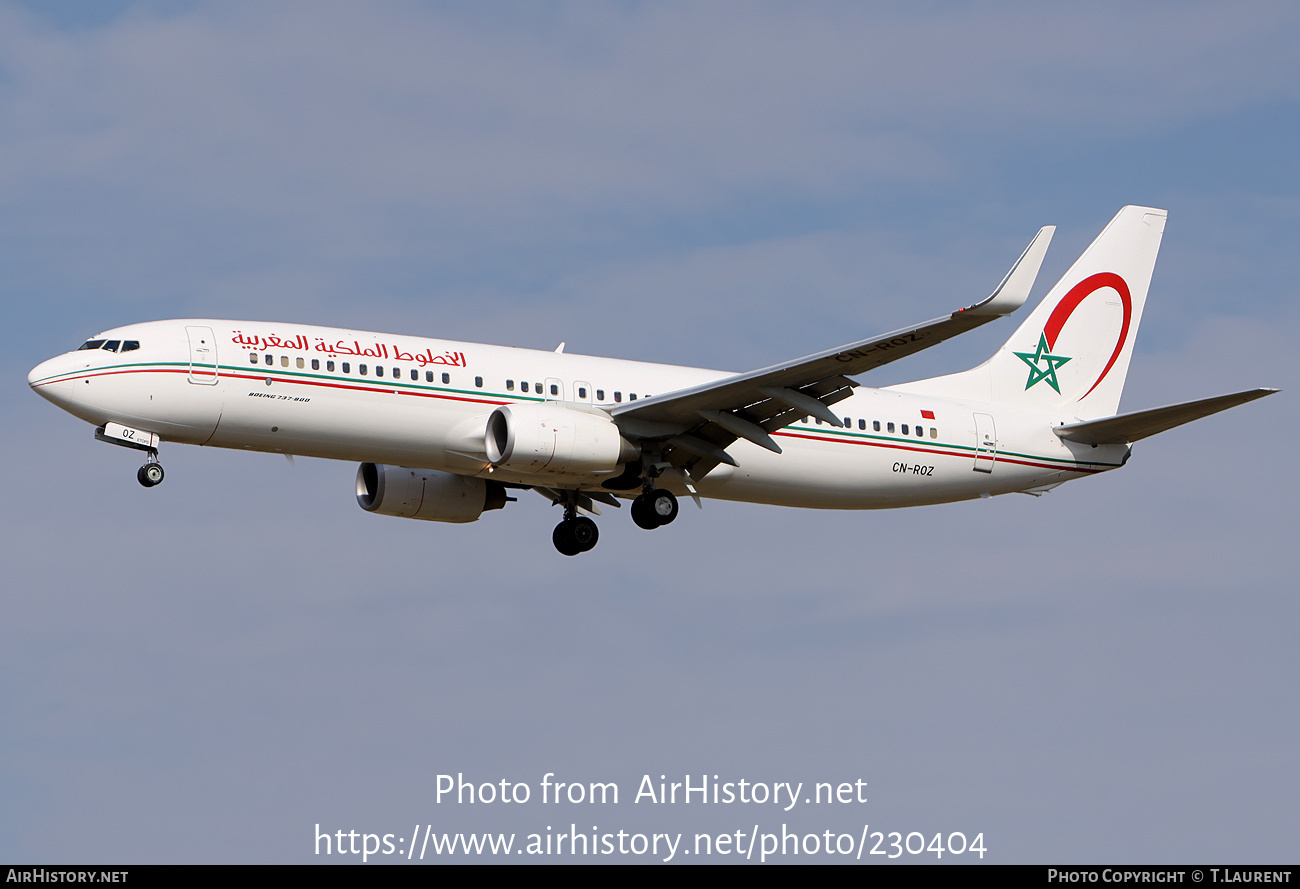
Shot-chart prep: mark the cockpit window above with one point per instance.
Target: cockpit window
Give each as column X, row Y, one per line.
column 110, row 345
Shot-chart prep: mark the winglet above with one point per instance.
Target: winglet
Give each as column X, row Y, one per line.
column 1014, row 289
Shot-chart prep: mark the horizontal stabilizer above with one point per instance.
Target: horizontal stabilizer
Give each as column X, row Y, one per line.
column 1127, row 428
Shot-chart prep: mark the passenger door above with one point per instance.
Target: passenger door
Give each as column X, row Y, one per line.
column 203, row 355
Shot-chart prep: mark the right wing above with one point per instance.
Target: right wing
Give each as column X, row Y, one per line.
column 697, row 423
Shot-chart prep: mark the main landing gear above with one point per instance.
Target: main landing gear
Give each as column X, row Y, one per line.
column 653, row 508
column 151, row 473
column 575, row 534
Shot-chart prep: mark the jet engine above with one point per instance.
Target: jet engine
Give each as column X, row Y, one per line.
column 426, row 493
column 551, row 439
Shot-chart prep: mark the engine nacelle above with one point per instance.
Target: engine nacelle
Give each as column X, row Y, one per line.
column 551, row 439
column 426, row 493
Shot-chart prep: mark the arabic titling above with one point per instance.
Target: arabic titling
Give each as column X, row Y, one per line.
column 346, row 348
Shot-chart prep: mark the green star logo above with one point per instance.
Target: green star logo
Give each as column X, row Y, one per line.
column 1034, row 359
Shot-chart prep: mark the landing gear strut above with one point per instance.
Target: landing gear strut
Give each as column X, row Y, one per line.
column 151, row 473
column 576, row 534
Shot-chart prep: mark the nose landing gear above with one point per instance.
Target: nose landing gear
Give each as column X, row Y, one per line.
column 151, row 473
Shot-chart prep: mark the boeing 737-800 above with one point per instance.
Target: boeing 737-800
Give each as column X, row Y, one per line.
column 444, row 430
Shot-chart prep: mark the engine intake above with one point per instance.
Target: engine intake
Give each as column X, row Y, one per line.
column 426, row 493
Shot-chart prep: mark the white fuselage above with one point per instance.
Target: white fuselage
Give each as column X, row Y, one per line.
column 408, row 401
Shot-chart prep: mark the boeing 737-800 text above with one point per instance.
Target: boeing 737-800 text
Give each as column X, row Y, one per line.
column 446, row 430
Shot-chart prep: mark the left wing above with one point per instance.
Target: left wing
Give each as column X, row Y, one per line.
column 698, row 423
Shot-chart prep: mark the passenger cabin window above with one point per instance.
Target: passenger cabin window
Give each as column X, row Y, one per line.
column 862, row 424
column 582, row 391
column 379, row 370
column 600, row 394
column 428, row 376
column 618, row 396
column 446, row 378
column 252, row 358
column 555, row 390
column 301, row 364
column 510, row 385
column 347, row 367
column 889, row 427
column 631, row 396
column 875, row 425
column 478, row 381
column 523, row 386
column 361, row 369
column 284, row 360
column 415, row 375
column 315, row 364
column 904, row 428
column 329, row 366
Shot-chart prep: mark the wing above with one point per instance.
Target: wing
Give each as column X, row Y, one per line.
column 695, row 425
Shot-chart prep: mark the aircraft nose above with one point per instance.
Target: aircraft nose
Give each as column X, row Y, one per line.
column 45, row 380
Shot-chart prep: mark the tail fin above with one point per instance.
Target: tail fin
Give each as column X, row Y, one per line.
column 1073, row 350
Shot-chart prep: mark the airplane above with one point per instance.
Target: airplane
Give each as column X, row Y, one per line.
column 445, row 431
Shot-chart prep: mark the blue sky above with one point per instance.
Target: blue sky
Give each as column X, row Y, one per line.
column 205, row 671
